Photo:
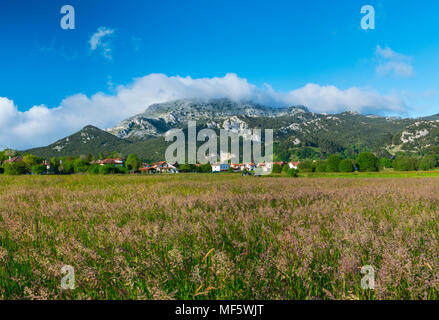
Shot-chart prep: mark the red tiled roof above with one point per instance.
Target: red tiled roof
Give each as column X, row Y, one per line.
column 110, row 161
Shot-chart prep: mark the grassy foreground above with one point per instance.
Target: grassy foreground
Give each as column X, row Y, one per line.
column 218, row 236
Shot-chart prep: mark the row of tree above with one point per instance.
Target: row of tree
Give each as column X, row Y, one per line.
column 368, row 162
column 365, row 162
column 30, row 163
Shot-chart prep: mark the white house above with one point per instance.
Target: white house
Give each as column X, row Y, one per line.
column 118, row 162
column 293, row 165
column 250, row 166
column 268, row 166
column 264, row 167
column 237, row 167
column 160, row 167
column 220, row 167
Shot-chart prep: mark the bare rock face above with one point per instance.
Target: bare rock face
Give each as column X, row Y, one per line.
column 213, row 113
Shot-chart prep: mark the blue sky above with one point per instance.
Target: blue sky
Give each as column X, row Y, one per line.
column 279, row 52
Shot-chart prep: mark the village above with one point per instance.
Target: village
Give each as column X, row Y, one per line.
column 167, row 167
column 161, row 167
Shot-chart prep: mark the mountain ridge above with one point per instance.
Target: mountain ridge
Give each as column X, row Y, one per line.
column 296, row 130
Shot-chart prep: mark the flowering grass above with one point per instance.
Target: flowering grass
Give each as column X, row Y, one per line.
column 223, row 236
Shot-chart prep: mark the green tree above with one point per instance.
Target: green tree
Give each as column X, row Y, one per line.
column 385, row 163
column 106, row 169
column 94, row 169
column 277, row 168
column 14, row 168
column 405, row 163
column 321, row 166
column 121, row 170
column 2, row 156
column 367, row 161
column 133, row 162
column 306, row 166
column 89, row 157
column 346, row 165
column 38, row 169
column 29, row 161
column 67, row 166
column 55, row 165
column 294, row 173
column 186, row 167
column 307, row 153
column 80, row 165
column 285, row 169
column 9, row 153
column 206, row 168
column 333, row 163
column 428, row 162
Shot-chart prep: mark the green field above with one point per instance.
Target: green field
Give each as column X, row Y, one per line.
column 219, row 236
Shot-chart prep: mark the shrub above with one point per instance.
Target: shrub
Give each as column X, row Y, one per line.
column 321, row 166
column 385, row 163
column 367, row 161
column 206, row 168
column 66, row 167
column 38, row 169
column 428, row 162
column 405, row 163
column 276, row 168
column 121, row 170
column 186, row 167
column 29, row 161
column 107, row 169
column 333, row 163
column 55, row 164
column 14, row 168
column 293, row 173
column 2, row 170
column 306, row 166
column 133, row 162
column 94, row 169
column 346, row 166
column 80, row 165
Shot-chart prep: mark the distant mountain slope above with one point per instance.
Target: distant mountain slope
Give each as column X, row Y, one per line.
column 95, row 141
column 297, row 130
column 88, row 140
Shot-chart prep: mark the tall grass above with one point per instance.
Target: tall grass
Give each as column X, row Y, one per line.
column 218, row 237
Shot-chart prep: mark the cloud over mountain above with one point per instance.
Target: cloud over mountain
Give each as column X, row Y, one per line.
column 40, row 125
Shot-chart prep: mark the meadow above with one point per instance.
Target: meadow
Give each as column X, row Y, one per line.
column 218, row 236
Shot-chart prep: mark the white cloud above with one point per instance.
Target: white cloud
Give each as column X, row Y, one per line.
column 391, row 62
column 40, row 125
column 331, row 99
column 99, row 40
